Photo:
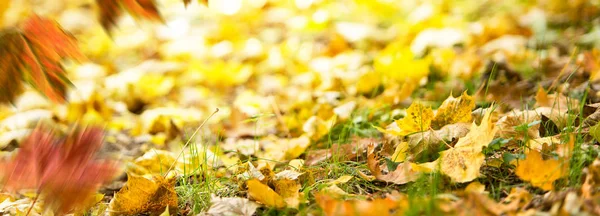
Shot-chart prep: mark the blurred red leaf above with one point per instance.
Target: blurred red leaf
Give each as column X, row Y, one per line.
column 110, row 10
column 62, row 170
column 33, row 53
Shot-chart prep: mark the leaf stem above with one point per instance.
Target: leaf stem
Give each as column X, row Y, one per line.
column 33, row 203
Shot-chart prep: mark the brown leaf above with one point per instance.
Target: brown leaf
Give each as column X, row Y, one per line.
column 62, row 169
column 591, row 186
column 402, row 175
column 110, row 10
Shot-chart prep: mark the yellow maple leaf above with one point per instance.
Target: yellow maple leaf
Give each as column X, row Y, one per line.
column 418, row 118
column 264, row 194
column 462, row 162
column 142, row 195
column 454, row 110
column 539, row 172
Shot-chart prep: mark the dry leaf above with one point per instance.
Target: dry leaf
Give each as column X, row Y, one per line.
column 418, row 118
column 289, row 191
column 430, row 140
column 377, row 207
column 462, row 162
column 142, row 195
column 403, row 174
column 454, row 110
column 231, row 206
column 539, row 172
column 591, row 186
column 264, row 194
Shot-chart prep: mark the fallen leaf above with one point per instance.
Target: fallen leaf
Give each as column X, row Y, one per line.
column 231, row 206
column 454, row 110
column 403, row 173
column 591, row 185
column 142, row 195
column 539, row 172
column 428, row 141
column 462, row 162
column 264, row 194
column 400, row 152
column 376, row 207
column 289, row 191
column 418, row 118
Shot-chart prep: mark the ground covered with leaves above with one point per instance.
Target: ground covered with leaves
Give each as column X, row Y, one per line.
column 306, row 107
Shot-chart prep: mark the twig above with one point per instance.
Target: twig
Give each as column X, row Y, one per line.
column 188, row 142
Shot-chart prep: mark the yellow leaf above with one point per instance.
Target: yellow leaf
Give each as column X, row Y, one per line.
column 400, row 152
column 539, row 172
column 475, row 187
column 289, row 191
column 454, row 110
column 141, row 195
column 341, row 179
column 264, row 194
column 153, row 162
column 462, row 162
column 418, row 118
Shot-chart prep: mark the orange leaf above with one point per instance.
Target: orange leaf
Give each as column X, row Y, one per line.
column 110, row 10
column 33, row 53
column 377, row 207
column 61, row 169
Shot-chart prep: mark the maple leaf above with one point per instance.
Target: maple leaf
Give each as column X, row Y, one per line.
column 454, row 110
column 539, row 172
column 33, row 53
column 462, row 162
column 418, row 118
column 142, row 195
column 403, row 173
column 62, row 170
column 111, row 10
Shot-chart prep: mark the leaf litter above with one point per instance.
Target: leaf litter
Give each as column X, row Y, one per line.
column 342, row 107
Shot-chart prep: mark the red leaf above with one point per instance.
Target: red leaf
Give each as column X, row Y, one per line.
column 110, row 10
column 33, row 53
column 63, row 170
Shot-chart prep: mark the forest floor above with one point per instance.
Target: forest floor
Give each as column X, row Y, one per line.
column 349, row 107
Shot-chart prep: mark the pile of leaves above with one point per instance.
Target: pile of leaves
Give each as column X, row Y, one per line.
column 348, row 107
